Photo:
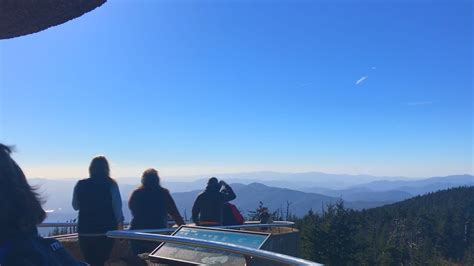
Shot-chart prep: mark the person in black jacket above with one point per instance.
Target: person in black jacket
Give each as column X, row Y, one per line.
column 150, row 205
column 20, row 213
column 98, row 201
column 207, row 208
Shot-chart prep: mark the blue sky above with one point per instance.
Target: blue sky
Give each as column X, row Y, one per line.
column 234, row 86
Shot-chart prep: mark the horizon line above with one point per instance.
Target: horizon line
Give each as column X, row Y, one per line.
column 204, row 176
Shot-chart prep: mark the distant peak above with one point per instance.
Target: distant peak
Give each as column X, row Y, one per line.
column 256, row 184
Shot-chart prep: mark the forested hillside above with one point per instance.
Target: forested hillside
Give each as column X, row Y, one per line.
column 433, row 229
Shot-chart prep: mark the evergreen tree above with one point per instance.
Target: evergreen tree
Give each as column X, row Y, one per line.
column 433, row 229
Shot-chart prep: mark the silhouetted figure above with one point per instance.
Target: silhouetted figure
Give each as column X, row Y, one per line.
column 20, row 213
column 207, row 208
column 100, row 210
column 150, row 205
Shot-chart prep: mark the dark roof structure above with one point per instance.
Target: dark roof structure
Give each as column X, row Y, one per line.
column 22, row 17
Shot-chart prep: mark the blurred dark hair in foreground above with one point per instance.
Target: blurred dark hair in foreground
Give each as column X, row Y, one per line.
column 20, row 205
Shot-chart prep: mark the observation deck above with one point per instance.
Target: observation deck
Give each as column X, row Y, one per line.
column 252, row 243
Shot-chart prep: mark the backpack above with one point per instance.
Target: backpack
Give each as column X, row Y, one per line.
column 231, row 215
column 38, row 251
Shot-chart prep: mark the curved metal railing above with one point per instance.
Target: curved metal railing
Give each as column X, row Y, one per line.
column 241, row 226
column 236, row 249
column 248, row 224
column 276, row 223
column 157, row 236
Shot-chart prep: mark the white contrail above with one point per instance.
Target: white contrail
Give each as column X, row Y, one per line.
column 362, row 79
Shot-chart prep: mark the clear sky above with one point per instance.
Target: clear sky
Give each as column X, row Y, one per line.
column 232, row 86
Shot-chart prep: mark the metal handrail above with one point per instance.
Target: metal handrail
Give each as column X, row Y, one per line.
column 281, row 223
column 248, row 224
column 246, row 251
column 57, row 225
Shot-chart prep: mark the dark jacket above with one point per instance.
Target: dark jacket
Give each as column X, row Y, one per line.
column 208, row 205
column 150, row 208
column 26, row 250
column 94, row 198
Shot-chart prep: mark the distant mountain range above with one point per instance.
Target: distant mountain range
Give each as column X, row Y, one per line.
column 276, row 179
column 394, row 190
column 249, row 196
column 304, row 191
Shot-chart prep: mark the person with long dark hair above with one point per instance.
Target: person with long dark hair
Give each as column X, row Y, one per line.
column 98, row 201
column 150, row 205
column 20, row 213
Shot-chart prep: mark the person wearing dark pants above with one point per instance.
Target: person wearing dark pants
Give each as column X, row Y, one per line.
column 96, row 249
column 98, row 201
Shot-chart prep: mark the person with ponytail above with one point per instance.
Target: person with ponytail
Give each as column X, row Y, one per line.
column 150, row 205
column 99, row 203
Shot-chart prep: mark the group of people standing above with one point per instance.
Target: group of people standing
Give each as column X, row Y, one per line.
column 99, row 203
